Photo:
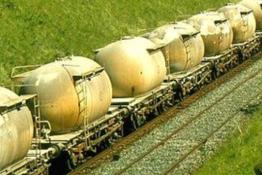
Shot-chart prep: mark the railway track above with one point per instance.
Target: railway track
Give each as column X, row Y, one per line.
column 201, row 143
column 195, row 118
column 125, row 142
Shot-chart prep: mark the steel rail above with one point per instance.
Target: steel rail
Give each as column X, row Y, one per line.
column 204, row 141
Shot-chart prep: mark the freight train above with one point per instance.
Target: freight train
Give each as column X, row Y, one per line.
column 70, row 109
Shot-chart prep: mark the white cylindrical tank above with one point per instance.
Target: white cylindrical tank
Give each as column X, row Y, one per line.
column 215, row 31
column 242, row 21
column 67, row 100
column 183, row 46
column 16, row 130
column 134, row 65
column 256, row 6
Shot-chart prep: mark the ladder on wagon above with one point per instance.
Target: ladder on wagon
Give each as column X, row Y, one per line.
column 82, row 80
column 33, row 102
column 41, row 128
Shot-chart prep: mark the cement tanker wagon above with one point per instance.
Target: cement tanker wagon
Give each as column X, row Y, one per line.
column 242, row 21
column 135, row 65
column 71, row 92
column 256, row 6
column 16, row 128
column 215, row 31
column 183, row 46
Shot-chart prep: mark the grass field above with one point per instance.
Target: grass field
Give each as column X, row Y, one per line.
column 38, row 31
column 241, row 153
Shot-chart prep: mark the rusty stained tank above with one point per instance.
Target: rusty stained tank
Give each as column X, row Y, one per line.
column 256, row 6
column 16, row 129
column 215, row 31
column 135, row 65
column 67, row 96
column 242, row 21
column 182, row 44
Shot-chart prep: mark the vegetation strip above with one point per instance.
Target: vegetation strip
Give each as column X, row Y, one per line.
column 242, row 151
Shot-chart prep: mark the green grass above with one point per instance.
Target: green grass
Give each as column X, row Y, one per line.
column 38, row 31
column 240, row 154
